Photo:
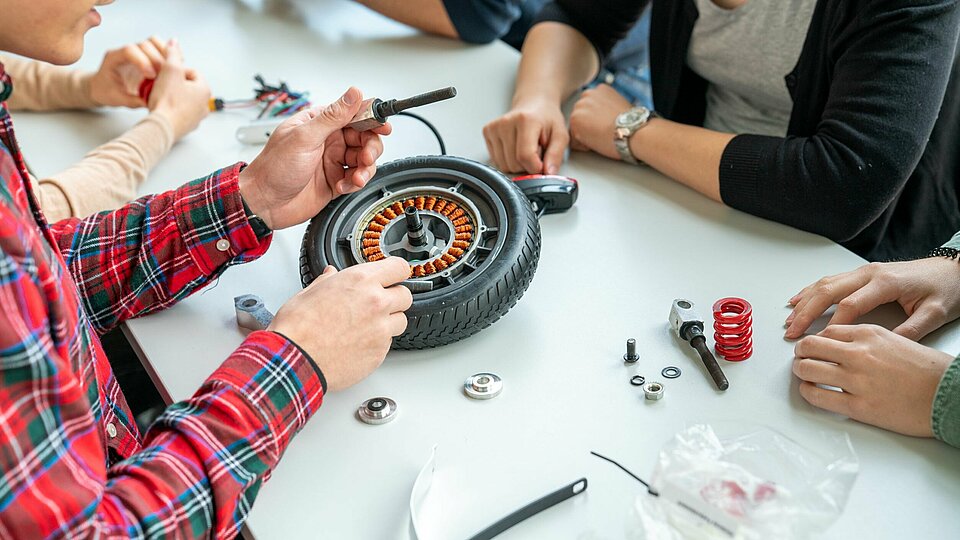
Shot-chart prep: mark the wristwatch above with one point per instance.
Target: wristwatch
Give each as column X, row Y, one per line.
column 629, row 123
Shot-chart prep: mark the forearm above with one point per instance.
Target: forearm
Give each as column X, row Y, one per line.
column 688, row 154
column 43, row 87
column 427, row 15
column 108, row 177
column 557, row 60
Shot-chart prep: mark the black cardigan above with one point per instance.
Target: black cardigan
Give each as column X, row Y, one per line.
column 871, row 158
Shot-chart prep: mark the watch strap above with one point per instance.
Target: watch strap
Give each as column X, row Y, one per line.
column 258, row 225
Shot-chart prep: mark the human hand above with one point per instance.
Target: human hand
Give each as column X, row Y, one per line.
column 532, row 137
column 888, row 381
column 117, row 82
column 925, row 288
column 594, row 120
column 309, row 160
column 181, row 95
column 346, row 320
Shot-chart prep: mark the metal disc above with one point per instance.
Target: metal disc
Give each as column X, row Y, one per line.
column 483, row 386
column 377, row 410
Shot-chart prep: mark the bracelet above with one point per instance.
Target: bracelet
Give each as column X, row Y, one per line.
column 944, row 252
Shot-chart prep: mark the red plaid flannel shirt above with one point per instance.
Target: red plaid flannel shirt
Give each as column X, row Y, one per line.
column 64, row 423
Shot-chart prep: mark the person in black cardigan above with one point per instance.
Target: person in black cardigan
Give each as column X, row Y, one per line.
column 870, row 155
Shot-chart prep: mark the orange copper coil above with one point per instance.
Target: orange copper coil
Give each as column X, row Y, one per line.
column 448, row 258
column 370, row 242
column 419, row 202
column 371, row 234
column 380, row 219
column 430, row 203
column 463, row 236
column 408, row 202
column 440, row 265
column 464, row 228
column 461, row 221
column 461, row 244
column 441, row 204
column 418, row 271
column 371, row 250
column 376, row 257
column 449, row 209
column 388, row 213
column 455, row 252
column 428, row 268
column 375, row 227
column 456, row 214
column 397, row 208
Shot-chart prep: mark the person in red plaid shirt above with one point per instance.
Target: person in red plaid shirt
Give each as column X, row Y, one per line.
column 72, row 462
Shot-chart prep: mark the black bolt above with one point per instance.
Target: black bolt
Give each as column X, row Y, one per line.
column 631, row 357
column 414, row 226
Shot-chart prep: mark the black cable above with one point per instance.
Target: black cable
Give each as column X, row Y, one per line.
column 650, row 490
column 436, row 132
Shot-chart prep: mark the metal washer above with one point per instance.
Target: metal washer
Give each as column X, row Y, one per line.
column 377, row 410
column 483, row 386
column 671, row 372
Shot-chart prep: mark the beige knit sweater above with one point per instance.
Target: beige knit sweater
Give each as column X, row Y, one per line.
column 109, row 175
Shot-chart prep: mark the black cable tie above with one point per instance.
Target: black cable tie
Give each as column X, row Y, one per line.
column 650, row 490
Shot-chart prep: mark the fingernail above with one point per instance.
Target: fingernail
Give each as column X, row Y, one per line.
column 365, row 176
column 349, row 97
column 343, row 186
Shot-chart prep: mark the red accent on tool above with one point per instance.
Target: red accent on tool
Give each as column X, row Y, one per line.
column 733, row 323
column 145, row 88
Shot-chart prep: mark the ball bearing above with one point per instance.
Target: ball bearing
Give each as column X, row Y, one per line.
column 377, row 410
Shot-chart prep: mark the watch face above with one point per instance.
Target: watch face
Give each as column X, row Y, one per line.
column 631, row 118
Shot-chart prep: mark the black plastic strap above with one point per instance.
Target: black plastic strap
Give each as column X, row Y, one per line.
column 532, row 509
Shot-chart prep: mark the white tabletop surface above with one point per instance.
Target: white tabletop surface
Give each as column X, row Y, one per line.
column 609, row 270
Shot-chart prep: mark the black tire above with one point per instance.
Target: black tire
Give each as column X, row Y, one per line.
column 459, row 309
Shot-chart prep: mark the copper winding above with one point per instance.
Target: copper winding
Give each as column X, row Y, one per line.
column 463, row 232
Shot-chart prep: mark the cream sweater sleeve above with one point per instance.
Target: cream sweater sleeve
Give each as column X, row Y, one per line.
column 107, row 177
column 38, row 86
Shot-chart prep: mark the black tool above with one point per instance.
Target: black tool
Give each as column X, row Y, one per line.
column 532, row 509
column 689, row 327
column 549, row 193
column 374, row 112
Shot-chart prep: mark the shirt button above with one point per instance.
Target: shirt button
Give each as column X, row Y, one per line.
column 111, row 430
column 223, row 244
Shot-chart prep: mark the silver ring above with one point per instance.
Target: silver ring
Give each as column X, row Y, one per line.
column 653, row 390
column 483, row 386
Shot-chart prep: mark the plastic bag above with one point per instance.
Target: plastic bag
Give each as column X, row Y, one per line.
column 761, row 484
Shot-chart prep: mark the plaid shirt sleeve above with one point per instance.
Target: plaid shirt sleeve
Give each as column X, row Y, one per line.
column 159, row 249
column 202, row 462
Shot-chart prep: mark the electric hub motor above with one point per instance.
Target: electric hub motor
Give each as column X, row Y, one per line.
column 474, row 237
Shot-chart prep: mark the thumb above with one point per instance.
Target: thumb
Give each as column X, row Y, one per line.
column 339, row 113
column 918, row 325
column 329, row 270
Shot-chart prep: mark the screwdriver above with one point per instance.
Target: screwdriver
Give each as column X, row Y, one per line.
column 374, row 112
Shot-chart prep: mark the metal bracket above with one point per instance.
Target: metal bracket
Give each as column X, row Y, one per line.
column 252, row 314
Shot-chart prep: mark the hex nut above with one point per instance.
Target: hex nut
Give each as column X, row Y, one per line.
column 653, row 390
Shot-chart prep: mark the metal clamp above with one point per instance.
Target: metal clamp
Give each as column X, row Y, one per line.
column 252, row 314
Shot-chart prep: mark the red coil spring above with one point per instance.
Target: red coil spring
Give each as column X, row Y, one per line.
column 733, row 323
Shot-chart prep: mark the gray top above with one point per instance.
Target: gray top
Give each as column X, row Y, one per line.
column 744, row 54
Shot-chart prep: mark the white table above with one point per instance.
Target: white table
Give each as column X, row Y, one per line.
column 609, row 270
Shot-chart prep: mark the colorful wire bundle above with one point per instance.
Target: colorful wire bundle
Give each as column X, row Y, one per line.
column 275, row 101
